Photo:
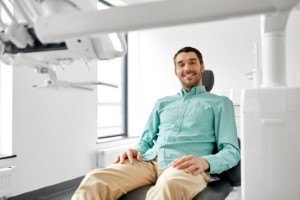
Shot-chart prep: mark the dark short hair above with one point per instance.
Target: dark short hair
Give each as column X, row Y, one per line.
column 189, row 49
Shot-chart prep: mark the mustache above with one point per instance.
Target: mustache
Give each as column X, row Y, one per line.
column 193, row 73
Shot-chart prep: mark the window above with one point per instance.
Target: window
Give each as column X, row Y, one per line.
column 6, row 74
column 112, row 102
column 5, row 109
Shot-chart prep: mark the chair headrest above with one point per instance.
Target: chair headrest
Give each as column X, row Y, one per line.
column 208, row 80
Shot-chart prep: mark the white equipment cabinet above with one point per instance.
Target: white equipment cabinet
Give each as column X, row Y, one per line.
column 270, row 123
column 270, row 120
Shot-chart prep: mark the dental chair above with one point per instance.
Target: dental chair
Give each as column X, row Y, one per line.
column 221, row 184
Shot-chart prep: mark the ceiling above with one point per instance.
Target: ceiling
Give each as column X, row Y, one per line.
column 138, row 1
column 130, row 2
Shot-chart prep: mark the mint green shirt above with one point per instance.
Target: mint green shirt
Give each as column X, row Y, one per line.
column 197, row 123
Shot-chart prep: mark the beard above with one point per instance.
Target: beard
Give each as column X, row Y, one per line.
column 190, row 80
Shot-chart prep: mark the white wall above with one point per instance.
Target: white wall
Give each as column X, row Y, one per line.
column 227, row 47
column 54, row 132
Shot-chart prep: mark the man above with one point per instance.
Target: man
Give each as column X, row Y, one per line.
column 176, row 151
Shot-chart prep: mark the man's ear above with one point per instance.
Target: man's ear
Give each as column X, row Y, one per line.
column 202, row 67
column 175, row 71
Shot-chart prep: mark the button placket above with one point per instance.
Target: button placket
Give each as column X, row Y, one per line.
column 180, row 115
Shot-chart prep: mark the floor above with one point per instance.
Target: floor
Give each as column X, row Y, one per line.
column 235, row 194
column 65, row 195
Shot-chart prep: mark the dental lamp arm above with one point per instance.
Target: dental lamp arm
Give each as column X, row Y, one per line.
column 57, row 28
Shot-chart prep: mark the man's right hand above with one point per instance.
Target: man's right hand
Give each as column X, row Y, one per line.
column 129, row 154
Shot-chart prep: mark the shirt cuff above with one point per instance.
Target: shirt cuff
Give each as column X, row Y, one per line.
column 140, row 149
column 213, row 163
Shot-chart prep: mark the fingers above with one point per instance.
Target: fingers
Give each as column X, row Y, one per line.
column 191, row 164
column 116, row 160
column 179, row 161
column 129, row 155
column 198, row 171
column 184, row 162
column 139, row 156
column 195, row 169
column 191, row 168
column 123, row 156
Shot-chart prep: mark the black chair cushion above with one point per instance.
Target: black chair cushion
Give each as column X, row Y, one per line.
column 208, row 80
column 215, row 190
column 233, row 175
column 137, row 194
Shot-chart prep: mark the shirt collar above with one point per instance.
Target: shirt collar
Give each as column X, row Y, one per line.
column 195, row 90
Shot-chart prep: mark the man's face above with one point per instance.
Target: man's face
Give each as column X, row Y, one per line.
column 188, row 69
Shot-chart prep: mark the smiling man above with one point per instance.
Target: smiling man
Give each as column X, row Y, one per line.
column 188, row 68
column 187, row 137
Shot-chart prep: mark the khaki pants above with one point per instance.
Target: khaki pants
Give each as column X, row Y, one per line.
column 118, row 179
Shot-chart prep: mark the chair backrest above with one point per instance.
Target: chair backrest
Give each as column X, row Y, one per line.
column 233, row 175
column 208, row 80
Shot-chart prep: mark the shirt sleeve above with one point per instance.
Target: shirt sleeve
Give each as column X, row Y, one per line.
column 226, row 138
column 149, row 135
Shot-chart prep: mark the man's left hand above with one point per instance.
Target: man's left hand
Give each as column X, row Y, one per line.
column 191, row 164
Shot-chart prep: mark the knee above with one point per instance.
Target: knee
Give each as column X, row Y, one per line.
column 93, row 186
column 169, row 184
column 95, row 180
column 167, row 189
column 96, row 177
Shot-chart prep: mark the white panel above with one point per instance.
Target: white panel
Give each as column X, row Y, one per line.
column 110, row 150
column 250, row 98
column 273, row 99
column 270, row 150
column 106, row 157
column 6, row 181
column 293, row 99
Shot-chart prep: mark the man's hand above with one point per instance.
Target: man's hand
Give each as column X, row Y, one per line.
column 191, row 164
column 130, row 154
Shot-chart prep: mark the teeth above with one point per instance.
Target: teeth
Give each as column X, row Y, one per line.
column 190, row 74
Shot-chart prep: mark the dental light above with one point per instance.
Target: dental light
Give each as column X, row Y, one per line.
column 19, row 44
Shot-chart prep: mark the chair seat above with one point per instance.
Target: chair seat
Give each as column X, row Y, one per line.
column 137, row 194
column 216, row 190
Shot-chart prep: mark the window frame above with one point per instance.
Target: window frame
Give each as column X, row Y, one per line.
column 6, row 102
column 124, row 98
column 6, row 109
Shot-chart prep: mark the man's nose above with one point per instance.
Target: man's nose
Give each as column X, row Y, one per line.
column 187, row 68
